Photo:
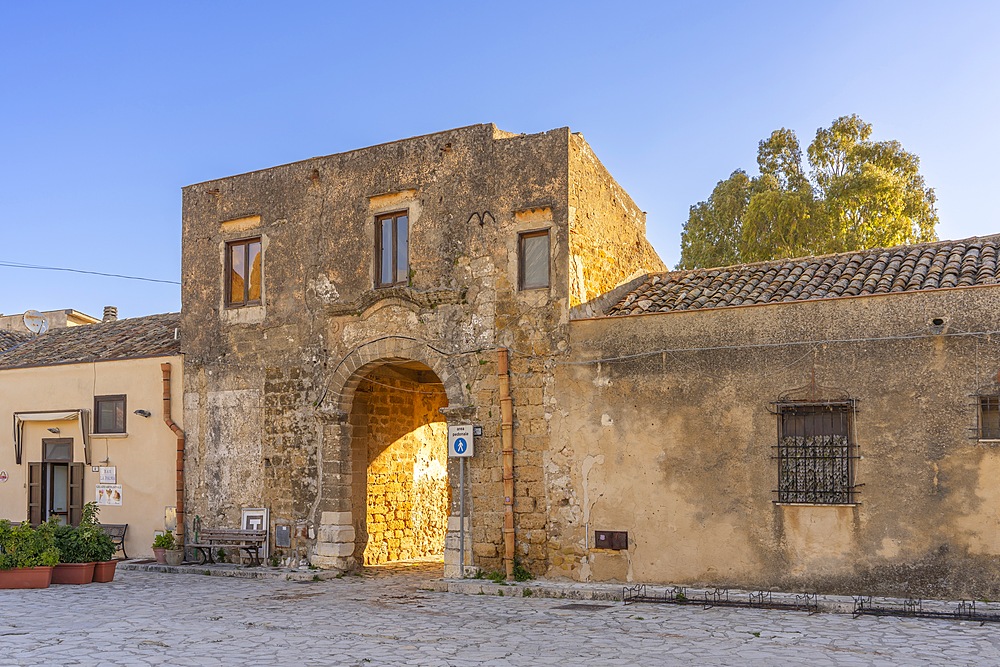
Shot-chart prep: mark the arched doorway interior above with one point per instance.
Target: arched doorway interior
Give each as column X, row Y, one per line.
column 401, row 495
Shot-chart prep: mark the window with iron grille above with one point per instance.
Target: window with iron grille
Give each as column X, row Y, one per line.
column 989, row 418
column 815, row 453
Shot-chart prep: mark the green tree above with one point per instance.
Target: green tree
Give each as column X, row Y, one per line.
column 858, row 194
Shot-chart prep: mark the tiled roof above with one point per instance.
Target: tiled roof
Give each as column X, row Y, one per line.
column 9, row 339
column 908, row 268
column 151, row 336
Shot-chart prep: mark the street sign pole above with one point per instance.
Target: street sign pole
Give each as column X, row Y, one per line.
column 461, row 444
column 461, row 516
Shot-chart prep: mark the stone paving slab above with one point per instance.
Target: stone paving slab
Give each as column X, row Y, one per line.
column 153, row 618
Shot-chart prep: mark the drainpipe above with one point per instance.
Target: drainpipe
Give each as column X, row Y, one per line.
column 165, row 368
column 507, row 443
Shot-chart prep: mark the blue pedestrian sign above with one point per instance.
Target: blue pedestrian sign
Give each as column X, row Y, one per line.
column 460, row 442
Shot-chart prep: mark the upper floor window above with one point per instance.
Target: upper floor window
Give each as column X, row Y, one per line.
column 243, row 272
column 109, row 414
column 989, row 418
column 815, row 453
column 533, row 259
column 392, row 249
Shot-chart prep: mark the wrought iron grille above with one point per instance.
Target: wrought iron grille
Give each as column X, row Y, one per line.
column 815, row 453
column 989, row 417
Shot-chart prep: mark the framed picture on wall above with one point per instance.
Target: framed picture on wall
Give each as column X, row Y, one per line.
column 257, row 518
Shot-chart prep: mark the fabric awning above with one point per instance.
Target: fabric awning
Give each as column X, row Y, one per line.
column 51, row 416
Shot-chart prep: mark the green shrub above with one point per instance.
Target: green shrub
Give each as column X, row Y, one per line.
column 24, row 546
column 86, row 542
column 99, row 545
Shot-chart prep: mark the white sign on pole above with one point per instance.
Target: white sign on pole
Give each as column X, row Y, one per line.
column 460, row 440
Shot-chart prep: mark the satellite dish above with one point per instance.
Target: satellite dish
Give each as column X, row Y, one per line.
column 35, row 322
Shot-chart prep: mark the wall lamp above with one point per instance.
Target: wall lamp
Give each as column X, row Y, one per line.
column 144, row 413
column 54, row 429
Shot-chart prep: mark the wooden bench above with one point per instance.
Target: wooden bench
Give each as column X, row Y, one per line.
column 209, row 539
column 116, row 531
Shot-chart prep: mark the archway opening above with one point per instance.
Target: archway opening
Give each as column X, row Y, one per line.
column 399, row 450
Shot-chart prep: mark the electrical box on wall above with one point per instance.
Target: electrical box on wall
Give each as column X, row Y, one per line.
column 282, row 536
column 611, row 539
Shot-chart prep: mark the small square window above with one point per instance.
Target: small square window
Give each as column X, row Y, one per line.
column 392, row 249
column 989, row 417
column 243, row 272
column 533, row 259
column 109, row 414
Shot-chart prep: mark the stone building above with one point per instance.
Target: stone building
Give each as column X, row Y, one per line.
column 339, row 312
column 827, row 424
column 823, row 424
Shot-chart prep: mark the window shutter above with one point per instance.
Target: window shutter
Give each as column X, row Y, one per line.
column 75, row 493
column 34, row 493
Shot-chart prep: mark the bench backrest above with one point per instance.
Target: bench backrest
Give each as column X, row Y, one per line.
column 233, row 535
column 115, row 530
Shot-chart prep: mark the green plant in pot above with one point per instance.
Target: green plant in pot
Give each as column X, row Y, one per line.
column 98, row 544
column 27, row 555
column 75, row 564
column 161, row 543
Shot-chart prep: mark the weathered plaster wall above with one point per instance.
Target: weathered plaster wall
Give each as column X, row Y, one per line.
column 607, row 231
column 675, row 443
column 145, row 456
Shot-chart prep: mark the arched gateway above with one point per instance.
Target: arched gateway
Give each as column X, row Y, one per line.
column 386, row 491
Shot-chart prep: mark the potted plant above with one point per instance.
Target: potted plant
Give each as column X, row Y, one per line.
column 161, row 543
column 75, row 565
column 99, row 545
column 27, row 555
column 175, row 556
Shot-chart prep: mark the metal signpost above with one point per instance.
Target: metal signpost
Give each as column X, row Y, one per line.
column 460, row 446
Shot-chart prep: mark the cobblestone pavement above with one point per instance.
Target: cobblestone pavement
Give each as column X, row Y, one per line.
column 386, row 618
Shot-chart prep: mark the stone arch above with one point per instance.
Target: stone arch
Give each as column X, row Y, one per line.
column 352, row 369
column 342, row 529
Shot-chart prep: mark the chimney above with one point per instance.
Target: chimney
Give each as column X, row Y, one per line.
column 110, row 313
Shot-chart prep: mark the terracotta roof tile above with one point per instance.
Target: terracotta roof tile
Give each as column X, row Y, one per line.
column 908, row 268
column 9, row 339
column 137, row 337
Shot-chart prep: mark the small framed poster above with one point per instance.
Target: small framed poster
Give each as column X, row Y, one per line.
column 109, row 475
column 109, row 494
column 257, row 518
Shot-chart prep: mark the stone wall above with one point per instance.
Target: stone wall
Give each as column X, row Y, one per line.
column 664, row 428
column 407, row 497
column 607, row 231
column 298, row 357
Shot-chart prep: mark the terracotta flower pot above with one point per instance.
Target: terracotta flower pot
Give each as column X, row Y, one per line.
column 174, row 556
column 26, row 577
column 73, row 573
column 104, row 571
column 160, row 555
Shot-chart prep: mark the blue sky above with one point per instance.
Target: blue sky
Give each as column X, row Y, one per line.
column 107, row 109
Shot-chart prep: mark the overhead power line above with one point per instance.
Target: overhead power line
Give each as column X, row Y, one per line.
column 18, row 265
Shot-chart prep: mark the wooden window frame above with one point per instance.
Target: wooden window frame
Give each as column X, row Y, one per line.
column 379, row 219
column 97, row 414
column 535, row 233
column 247, row 301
